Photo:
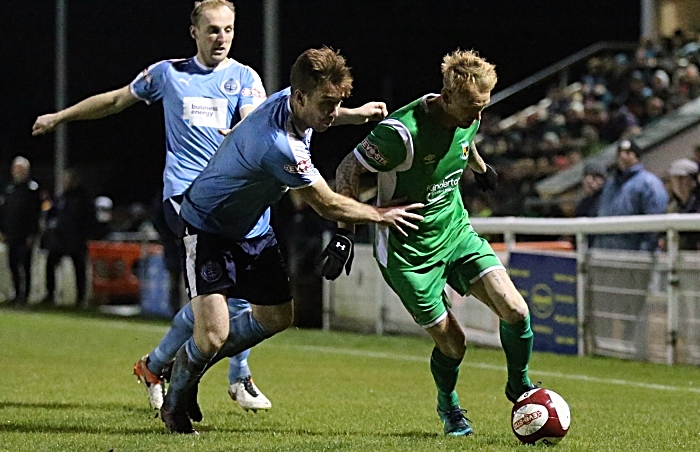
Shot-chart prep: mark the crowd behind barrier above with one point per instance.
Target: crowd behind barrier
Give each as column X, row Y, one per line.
column 617, row 95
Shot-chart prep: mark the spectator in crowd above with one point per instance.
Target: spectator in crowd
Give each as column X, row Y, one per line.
column 20, row 210
column 69, row 224
column 631, row 190
column 594, row 175
column 684, row 193
column 653, row 110
column 103, row 216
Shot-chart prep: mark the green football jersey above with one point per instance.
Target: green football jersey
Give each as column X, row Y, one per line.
column 420, row 161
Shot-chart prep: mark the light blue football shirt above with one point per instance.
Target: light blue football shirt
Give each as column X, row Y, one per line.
column 254, row 166
column 197, row 101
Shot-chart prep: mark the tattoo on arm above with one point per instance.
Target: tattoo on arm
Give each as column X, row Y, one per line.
column 347, row 176
column 347, row 181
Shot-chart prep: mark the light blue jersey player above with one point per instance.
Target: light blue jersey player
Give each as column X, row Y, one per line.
column 198, row 102
column 202, row 98
column 231, row 250
column 253, row 168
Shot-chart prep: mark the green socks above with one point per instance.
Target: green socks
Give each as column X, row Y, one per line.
column 517, row 343
column 445, row 371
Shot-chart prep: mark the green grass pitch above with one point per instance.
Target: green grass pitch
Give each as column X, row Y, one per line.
column 66, row 385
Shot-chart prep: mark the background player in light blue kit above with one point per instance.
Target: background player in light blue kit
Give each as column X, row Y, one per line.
column 231, row 250
column 201, row 96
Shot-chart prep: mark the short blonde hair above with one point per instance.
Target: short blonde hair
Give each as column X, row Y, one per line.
column 321, row 67
column 200, row 7
column 464, row 71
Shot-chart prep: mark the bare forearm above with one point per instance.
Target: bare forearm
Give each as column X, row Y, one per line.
column 348, row 212
column 476, row 163
column 97, row 106
column 348, row 116
column 347, row 182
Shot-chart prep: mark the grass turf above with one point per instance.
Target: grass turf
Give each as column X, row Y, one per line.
column 67, row 385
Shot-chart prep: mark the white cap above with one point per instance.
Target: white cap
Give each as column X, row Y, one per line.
column 103, row 202
column 683, row 167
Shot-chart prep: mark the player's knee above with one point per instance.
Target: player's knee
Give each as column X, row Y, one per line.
column 516, row 314
column 456, row 345
column 214, row 341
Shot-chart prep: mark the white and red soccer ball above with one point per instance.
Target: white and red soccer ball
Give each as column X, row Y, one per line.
column 540, row 416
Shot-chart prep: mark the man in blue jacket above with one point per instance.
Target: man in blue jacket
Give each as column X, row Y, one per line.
column 631, row 190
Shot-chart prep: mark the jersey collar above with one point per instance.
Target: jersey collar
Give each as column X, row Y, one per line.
column 424, row 101
column 223, row 65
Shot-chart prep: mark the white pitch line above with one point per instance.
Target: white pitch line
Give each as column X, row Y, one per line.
column 394, row 356
column 578, row 377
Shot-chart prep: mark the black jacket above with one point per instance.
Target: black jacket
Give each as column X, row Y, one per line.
column 70, row 222
column 20, row 209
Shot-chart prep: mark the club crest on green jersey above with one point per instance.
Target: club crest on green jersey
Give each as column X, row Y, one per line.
column 465, row 150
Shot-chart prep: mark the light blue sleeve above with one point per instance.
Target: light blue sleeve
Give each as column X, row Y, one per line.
column 289, row 160
column 148, row 85
column 252, row 89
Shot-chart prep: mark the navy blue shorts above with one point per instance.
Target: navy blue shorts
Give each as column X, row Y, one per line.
column 250, row 269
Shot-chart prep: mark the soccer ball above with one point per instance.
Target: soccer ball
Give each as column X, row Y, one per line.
column 540, row 416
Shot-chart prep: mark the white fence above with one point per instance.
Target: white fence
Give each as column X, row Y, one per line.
column 635, row 305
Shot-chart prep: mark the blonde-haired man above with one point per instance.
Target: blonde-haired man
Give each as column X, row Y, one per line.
column 231, row 249
column 420, row 153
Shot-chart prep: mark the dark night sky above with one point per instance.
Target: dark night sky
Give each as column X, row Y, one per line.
column 394, row 47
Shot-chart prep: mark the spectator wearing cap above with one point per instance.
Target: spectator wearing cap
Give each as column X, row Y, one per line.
column 103, row 214
column 684, row 191
column 631, row 190
column 594, row 175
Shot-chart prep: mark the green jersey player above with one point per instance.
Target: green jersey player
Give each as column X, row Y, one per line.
column 420, row 153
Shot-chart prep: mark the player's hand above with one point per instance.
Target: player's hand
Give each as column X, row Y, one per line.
column 399, row 216
column 487, row 180
column 338, row 254
column 45, row 124
column 224, row 132
column 373, row 111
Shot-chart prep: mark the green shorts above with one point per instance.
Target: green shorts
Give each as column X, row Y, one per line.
column 422, row 291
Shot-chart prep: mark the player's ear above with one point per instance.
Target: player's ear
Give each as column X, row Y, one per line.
column 193, row 32
column 299, row 97
column 445, row 94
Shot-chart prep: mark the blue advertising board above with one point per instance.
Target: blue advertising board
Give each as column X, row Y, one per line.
column 548, row 284
column 155, row 286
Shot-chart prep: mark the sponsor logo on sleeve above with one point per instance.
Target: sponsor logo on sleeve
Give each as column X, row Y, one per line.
column 253, row 92
column 372, row 152
column 231, row 86
column 302, row 167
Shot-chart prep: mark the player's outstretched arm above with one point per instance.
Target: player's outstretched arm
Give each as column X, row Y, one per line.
column 347, row 182
column 337, row 207
column 371, row 111
column 94, row 107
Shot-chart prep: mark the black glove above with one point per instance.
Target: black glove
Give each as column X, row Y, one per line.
column 486, row 181
column 338, row 254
